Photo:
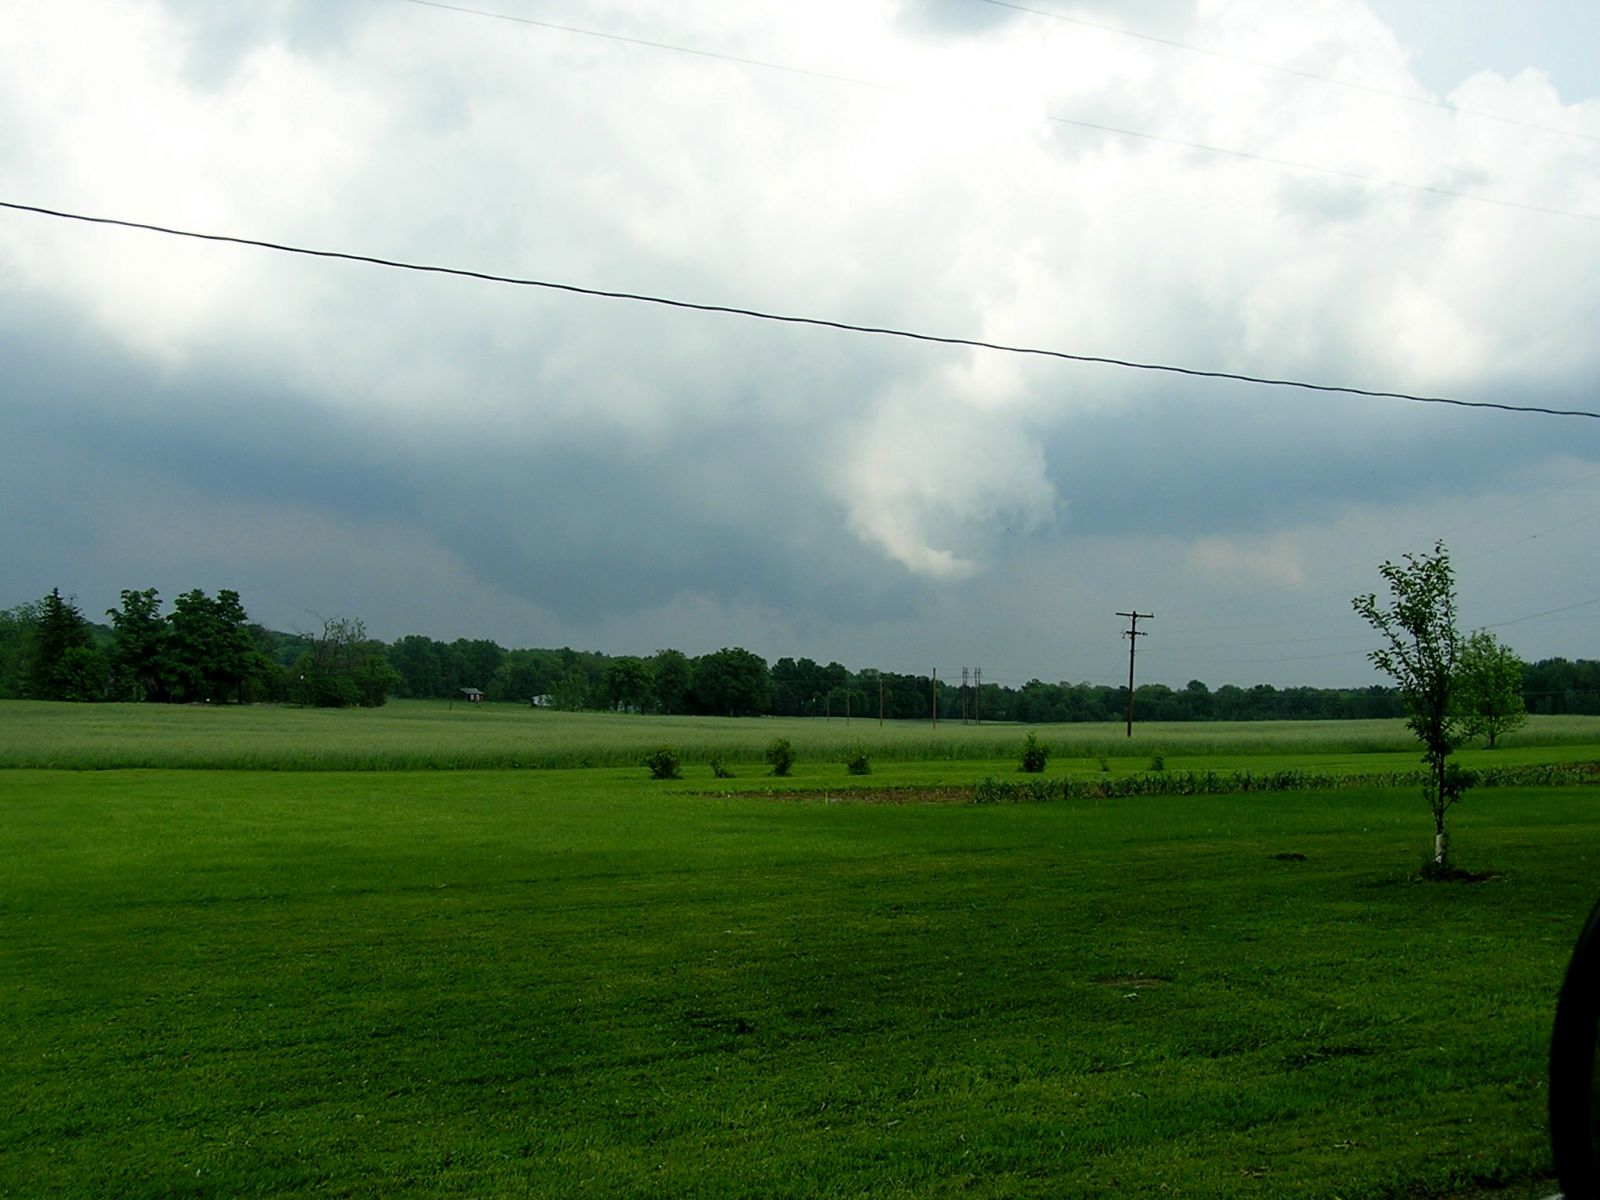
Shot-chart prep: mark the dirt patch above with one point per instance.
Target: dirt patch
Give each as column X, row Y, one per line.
column 1434, row 873
column 879, row 795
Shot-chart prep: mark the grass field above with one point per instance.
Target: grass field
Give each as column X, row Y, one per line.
column 486, row 983
column 411, row 735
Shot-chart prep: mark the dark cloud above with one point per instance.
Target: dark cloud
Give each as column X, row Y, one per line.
column 1210, row 460
column 214, row 429
column 590, row 538
column 587, row 534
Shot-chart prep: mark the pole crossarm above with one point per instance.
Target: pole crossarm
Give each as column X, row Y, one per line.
column 1133, row 633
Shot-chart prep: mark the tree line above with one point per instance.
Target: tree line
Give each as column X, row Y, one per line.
column 207, row 650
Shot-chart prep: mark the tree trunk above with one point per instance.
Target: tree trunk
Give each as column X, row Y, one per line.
column 1441, row 849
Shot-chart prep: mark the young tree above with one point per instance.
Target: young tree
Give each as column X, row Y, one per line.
column 1419, row 623
column 1489, row 688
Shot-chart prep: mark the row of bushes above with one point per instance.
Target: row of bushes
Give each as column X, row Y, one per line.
column 1221, row 783
column 664, row 762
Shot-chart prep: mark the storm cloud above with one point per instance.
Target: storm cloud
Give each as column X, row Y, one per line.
column 463, row 458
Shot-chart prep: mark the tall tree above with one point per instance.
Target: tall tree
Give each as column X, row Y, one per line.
column 60, row 662
column 475, row 661
column 17, row 627
column 344, row 667
column 1418, row 621
column 627, row 684
column 140, row 638
column 212, row 652
column 673, row 677
column 732, row 681
column 1489, row 688
column 419, row 662
column 236, row 649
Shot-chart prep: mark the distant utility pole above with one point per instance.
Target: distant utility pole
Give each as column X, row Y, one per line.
column 1133, row 633
column 880, row 701
column 963, row 695
column 977, row 694
column 936, row 697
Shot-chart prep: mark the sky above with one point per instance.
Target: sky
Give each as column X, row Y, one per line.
column 1393, row 196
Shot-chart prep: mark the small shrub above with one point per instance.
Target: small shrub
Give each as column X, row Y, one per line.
column 663, row 763
column 781, row 755
column 1034, row 756
column 1158, row 762
column 720, row 768
column 1105, row 765
column 857, row 763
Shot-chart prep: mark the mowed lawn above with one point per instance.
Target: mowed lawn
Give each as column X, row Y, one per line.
column 583, row 982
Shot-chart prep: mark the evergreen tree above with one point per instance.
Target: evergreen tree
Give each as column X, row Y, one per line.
column 60, row 662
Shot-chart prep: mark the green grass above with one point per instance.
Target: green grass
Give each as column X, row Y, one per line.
column 411, row 735
column 585, row 982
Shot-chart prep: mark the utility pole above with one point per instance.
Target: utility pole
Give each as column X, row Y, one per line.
column 977, row 695
column 936, row 697
column 963, row 695
column 1133, row 633
column 880, row 701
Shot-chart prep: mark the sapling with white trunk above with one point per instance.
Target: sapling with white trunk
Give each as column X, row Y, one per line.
column 1418, row 621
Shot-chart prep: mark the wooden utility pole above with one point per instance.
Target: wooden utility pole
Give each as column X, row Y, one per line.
column 936, row 697
column 977, row 695
column 1133, row 633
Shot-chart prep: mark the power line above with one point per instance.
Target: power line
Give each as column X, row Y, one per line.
column 1422, row 101
column 1549, row 612
column 1337, row 172
column 1094, row 126
column 792, row 319
column 1366, row 565
column 634, row 41
column 1523, row 503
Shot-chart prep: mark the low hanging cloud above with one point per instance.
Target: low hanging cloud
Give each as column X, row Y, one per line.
column 1275, row 559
